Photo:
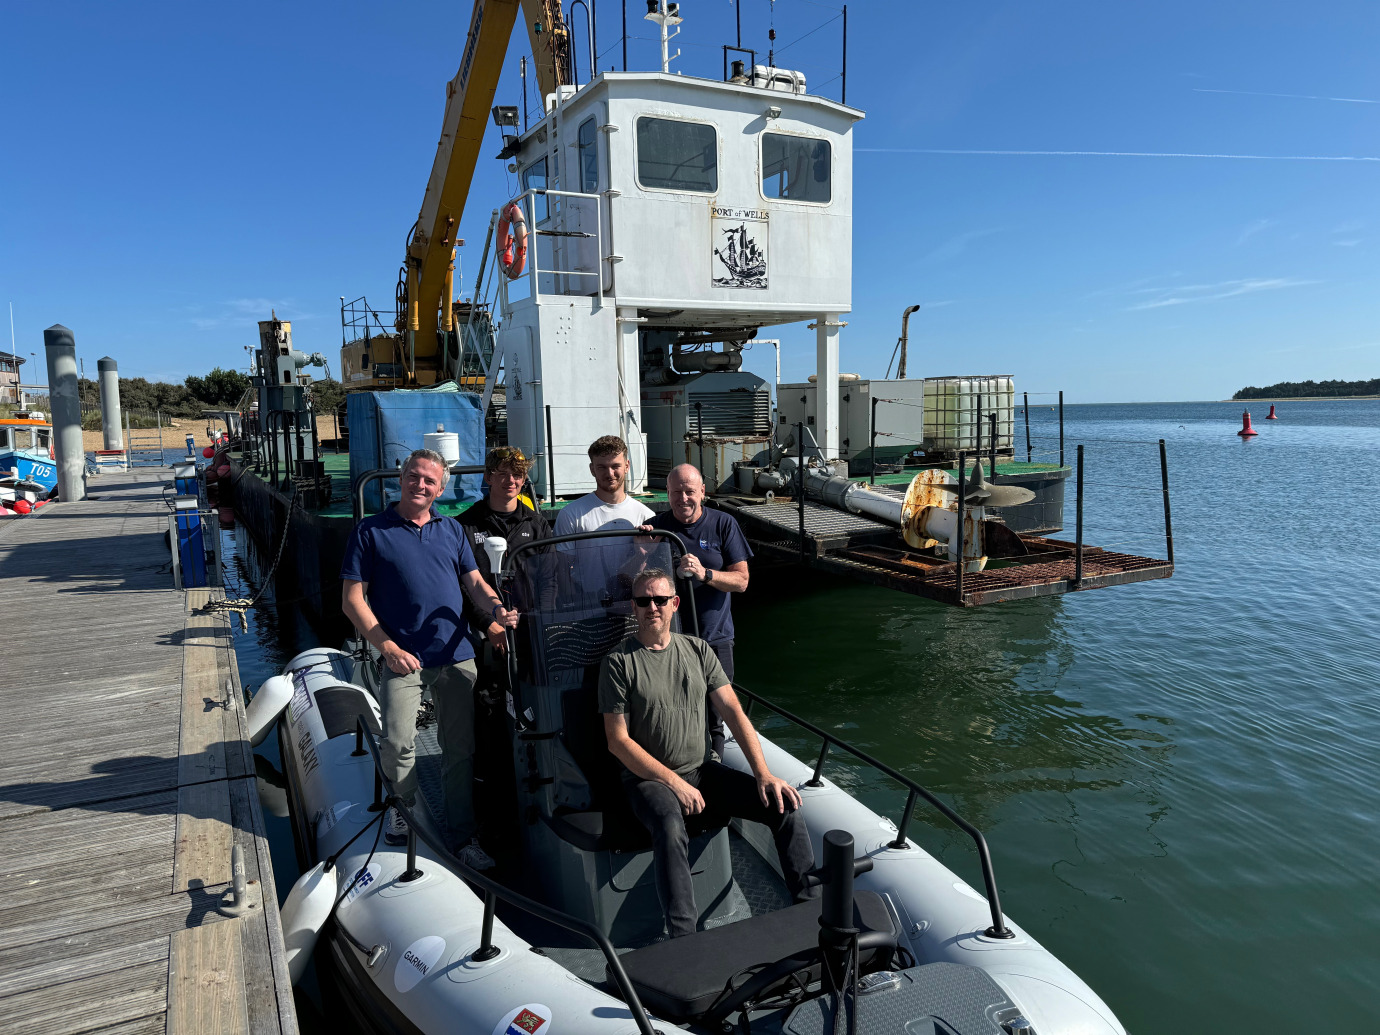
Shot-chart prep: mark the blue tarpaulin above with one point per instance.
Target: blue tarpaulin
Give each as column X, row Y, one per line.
column 386, row 426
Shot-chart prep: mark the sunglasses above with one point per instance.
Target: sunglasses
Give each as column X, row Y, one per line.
column 647, row 601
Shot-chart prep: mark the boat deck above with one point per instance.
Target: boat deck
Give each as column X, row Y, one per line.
column 872, row 551
column 126, row 780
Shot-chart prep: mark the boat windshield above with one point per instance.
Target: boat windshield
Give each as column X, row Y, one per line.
column 585, row 578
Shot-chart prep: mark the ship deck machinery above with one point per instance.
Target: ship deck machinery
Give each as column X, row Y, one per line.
column 948, row 536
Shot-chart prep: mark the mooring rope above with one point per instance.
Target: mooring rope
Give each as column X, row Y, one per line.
column 240, row 605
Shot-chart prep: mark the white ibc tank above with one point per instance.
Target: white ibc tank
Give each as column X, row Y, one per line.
column 955, row 405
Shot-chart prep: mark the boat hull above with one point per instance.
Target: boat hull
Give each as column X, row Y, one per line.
column 430, row 927
column 30, row 467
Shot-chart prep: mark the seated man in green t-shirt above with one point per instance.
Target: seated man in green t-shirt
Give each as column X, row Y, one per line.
column 653, row 689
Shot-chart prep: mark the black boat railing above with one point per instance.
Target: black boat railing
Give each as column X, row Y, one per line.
column 384, row 797
column 915, row 791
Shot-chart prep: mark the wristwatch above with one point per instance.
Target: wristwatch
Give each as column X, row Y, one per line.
column 707, row 574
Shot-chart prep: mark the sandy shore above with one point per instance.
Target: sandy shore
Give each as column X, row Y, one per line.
column 175, row 434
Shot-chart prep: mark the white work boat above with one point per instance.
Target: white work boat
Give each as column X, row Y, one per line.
column 566, row 935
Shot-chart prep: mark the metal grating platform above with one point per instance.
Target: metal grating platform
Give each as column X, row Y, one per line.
column 873, row 551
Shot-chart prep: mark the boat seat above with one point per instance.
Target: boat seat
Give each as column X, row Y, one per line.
column 684, row 978
column 609, row 824
column 613, row 830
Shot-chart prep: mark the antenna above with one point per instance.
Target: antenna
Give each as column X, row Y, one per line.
column 664, row 14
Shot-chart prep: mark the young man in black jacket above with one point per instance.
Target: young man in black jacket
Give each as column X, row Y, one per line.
column 511, row 516
column 506, row 514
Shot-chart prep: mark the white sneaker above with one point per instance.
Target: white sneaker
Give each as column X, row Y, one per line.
column 395, row 828
column 473, row 856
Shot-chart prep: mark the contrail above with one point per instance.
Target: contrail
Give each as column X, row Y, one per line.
column 1291, row 96
column 1115, row 154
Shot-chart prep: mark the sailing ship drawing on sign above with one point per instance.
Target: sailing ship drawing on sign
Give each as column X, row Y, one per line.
column 742, row 259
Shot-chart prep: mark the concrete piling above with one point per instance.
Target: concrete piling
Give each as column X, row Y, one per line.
column 61, row 349
column 110, row 403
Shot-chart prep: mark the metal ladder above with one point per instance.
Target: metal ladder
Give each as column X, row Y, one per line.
column 144, row 446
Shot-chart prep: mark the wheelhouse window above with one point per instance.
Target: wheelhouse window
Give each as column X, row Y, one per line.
column 43, row 440
column 796, row 168
column 535, row 177
column 5, row 438
column 674, row 155
column 588, row 147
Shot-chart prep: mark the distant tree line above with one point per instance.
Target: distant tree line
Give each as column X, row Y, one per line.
column 219, row 390
column 1301, row 389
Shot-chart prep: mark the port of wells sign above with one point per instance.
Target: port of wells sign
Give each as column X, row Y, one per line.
column 739, row 242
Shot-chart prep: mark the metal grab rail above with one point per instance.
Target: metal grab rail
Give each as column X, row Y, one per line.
column 998, row 928
column 369, row 477
column 493, row 890
column 527, row 201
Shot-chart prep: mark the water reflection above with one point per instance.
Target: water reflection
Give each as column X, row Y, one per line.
column 979, row 706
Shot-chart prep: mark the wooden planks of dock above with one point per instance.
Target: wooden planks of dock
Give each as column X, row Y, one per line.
column 125, row 781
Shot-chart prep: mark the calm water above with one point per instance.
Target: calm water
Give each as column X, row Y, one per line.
column 1176, row 778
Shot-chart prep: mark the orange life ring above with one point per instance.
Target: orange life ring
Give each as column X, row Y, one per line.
column 512, row 241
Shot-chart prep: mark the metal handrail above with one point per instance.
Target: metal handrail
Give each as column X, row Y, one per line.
column 493, row 889
column 998, row 928
column 379, row 475
column 527, row 200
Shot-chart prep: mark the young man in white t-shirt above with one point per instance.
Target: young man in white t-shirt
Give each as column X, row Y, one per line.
column 607, row 507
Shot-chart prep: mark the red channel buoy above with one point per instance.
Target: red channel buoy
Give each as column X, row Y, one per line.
column 1271, row 414
column 23, row 507
column 1246, row 430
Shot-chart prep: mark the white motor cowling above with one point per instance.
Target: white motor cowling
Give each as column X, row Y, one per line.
column 266, row 706
column 305, row 912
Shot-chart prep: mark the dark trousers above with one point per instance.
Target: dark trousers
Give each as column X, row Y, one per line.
column 727, row 793
column 717, row 735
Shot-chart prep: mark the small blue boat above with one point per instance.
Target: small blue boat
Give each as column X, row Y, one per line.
column 26, row 449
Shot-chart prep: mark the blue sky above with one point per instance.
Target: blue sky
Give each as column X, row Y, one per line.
column 170, row 172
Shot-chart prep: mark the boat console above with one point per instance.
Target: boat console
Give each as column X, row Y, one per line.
column 576, row 827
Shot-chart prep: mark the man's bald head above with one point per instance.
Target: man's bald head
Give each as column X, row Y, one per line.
column 685, row 493
column 685, row 475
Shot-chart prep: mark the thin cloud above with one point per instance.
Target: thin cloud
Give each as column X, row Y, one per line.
column 1347, row 244
column 1214, row 292
column 1254, row 228
column 1291, row 96
column 956, row 245
column 238, row 311
column 1112, row 154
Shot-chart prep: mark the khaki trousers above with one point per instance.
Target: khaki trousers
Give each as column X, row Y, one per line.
column 452, row 691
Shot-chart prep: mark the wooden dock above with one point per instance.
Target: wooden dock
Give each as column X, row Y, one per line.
column 125, row 780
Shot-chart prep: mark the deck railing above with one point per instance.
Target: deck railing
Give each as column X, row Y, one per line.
column 998, row 928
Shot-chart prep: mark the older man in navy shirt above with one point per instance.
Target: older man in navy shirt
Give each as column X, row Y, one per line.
column 401, row 587
column 716, row 560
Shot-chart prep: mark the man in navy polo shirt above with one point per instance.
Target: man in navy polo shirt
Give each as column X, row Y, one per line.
column 716, row 560
column 401, row 587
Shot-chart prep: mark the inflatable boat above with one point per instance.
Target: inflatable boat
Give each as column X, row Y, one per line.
column 567, row 935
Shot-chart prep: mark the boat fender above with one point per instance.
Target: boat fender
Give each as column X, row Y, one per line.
column 512, row 241
column 266, row 706
column 309, row 905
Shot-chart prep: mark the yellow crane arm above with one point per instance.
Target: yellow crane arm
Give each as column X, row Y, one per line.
column 469, row 97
